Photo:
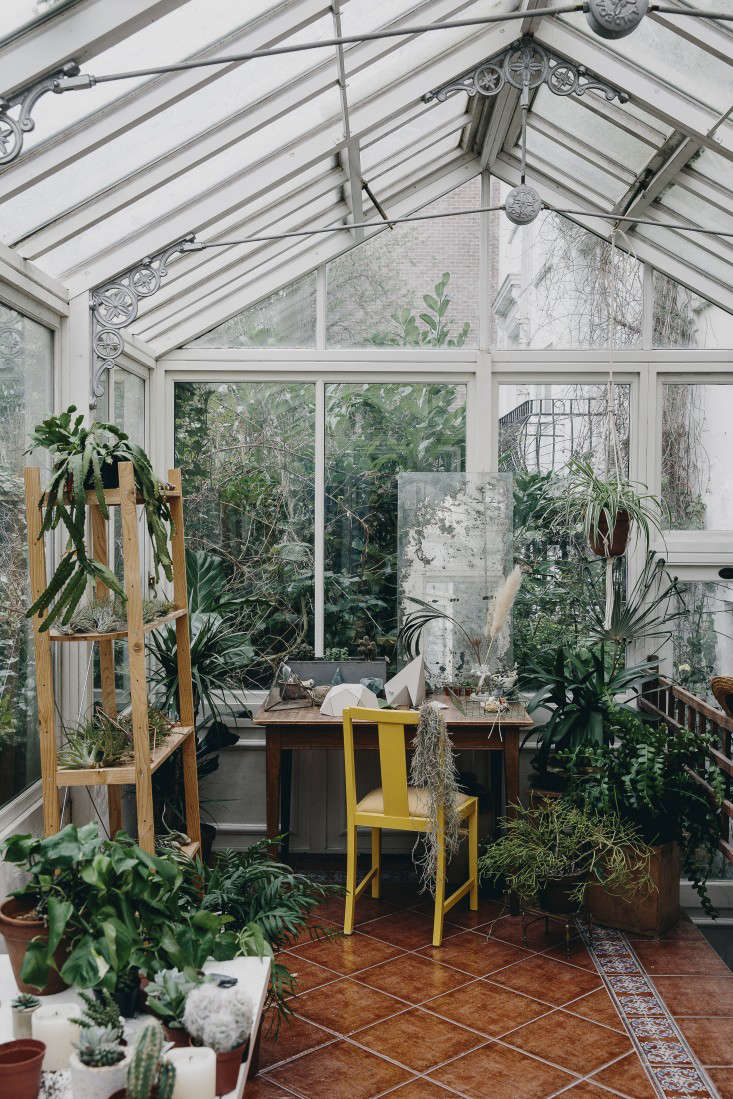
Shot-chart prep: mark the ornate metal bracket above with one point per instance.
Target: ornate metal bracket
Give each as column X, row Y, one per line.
column 115, row 305
column 527, row 64
column 12, row 129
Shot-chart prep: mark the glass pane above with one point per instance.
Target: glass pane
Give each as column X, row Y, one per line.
column 702, row 644
column 696, row 440
column 374, row 432
column 26, row 356
column 685, row 319
column 554, row 283
column 286, row 318
column 540, row 428
column 378, row 293
column 247, row 455
column 17, row 14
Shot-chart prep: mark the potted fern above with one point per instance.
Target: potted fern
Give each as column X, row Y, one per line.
column 86, row 457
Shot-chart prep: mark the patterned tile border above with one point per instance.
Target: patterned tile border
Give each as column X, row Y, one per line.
column 672, row 1067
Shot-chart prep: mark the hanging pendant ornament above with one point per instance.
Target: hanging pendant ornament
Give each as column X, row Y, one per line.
column 615, row 18
column 522, row 204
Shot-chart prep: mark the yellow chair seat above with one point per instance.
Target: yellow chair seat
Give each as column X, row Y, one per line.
column 418, row 801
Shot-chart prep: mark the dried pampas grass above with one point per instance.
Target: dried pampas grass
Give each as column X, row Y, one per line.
column 500, row 610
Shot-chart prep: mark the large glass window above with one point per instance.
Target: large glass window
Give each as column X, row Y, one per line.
column 26, row 350
column 374, row 432
column 685, row 319
column 247, row 452
column 696, row 448
column 702, row 644
column 286, row 318
column 541, row 426
column 416, row 286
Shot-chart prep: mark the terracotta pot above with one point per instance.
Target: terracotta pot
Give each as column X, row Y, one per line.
column 618, row 539
column 227, row 1068
column 176, row 1034
column 556, row 896
column 644, row 913
column 18, row 932
column 20, row 1068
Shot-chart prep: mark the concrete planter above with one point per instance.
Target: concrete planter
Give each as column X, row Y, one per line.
column 97, row 1083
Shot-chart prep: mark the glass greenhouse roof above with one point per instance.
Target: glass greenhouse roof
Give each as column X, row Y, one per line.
column 118, row 171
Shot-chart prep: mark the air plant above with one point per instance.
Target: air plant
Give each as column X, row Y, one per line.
column 97, row 616
column 94, row 743
column 433, row 768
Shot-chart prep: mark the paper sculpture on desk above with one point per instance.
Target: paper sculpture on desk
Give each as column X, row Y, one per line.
column 344, row 695
column 407, row 688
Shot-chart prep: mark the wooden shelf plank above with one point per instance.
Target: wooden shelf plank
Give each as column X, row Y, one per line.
column 124, row 774
column 118, row 635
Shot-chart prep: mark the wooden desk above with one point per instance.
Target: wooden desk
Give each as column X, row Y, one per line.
column 287, row 730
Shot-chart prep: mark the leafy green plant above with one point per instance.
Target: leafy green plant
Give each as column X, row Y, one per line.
column 583, row 500
column 108, row 900
column 580, row 688
column 545, row 844
column 647, row 776
column 166, row 995
column 84, row 457
column 435, row 332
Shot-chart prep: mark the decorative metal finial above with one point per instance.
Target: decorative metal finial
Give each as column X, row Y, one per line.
column 115, row 304
column 615, row 18
column 522, row 204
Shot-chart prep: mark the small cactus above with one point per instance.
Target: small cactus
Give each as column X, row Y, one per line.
column 221, row 1018
column 146, row 1071
column 98, row 1046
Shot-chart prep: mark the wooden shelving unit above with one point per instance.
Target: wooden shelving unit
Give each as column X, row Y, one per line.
column 138, row 772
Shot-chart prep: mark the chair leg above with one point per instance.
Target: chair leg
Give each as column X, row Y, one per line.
column 473, row 859
column 439, row 886
column 351, row 834
column 377, row 862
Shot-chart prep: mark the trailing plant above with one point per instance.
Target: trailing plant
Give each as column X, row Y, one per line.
column 557, row 840
column 84, row 456
column 149, row 1076
column 647, row 776
column 166, row 995
column 582, row 500
column 433, row 768
column 581, row 690
column 220, row 1018
column 101, row 1011
column 98, row 1046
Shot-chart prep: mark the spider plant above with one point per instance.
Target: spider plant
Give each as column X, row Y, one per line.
column 86, row 457
column 584, row 501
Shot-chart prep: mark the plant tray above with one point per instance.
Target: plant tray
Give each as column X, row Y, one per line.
column 118, row 635
column 124, row 774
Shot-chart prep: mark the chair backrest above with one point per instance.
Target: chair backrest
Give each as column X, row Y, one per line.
column 391, row 725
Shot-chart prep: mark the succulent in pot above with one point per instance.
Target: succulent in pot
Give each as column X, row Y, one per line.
column 166, row 997
column 99, row 1065
column 149, row 1076
column 22, row 1008
column 221, row 1018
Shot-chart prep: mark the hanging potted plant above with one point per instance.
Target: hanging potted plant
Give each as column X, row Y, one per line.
column 605, row 510
column 222, row 1019
column 86, row 457
column 549, row 854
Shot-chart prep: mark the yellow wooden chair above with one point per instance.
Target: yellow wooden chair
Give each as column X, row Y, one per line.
column 396, row 805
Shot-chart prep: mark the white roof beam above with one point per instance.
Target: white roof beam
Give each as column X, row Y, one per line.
column 650, row 183
column 133, row 108
column 77, row 34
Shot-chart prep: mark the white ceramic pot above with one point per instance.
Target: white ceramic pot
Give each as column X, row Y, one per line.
column 22, row 1016
column 97, row 1083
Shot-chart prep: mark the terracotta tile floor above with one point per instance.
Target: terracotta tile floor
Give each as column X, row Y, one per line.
column 483, row 1017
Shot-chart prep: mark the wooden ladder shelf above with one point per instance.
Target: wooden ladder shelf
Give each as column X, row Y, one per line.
column 139, row 772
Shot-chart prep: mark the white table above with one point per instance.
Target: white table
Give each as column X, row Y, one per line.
column 254, row 972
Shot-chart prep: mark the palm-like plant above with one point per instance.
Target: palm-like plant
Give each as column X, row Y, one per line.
column 580, row 689
column 86, row 457
column 649, row 610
